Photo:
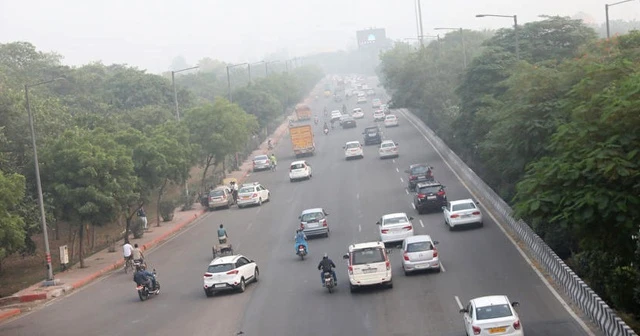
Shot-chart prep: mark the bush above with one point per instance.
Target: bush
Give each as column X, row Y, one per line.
column 137, row 228
column 167, row 209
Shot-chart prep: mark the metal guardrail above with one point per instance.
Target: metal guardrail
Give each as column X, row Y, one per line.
column 583, row 296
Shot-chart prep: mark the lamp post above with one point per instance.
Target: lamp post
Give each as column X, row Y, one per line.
column 266, row 66
column 256, row 63
column 420, row 35
column 606, row 13
column 515, row 28
column 464, row 49
column 229, row 77
column 175, row 92
column 43, row 220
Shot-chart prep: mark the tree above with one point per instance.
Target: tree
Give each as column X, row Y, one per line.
column 258, row 103
column 220, row 129
column 12, row 233
column 86, row 172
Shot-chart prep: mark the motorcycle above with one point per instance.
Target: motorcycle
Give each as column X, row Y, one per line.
column 328, row 281
column 302, row 251
column 138, row 263
column 326, row 131
column 144, row 291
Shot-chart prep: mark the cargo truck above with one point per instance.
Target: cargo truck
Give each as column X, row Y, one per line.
column 302, row 140
column 303, row 112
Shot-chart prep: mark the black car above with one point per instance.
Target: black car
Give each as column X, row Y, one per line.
column 429, row 196
column 419, row 172
column 372, row 136
column 348, row 123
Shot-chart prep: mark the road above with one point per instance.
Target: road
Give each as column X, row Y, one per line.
column 289, row 299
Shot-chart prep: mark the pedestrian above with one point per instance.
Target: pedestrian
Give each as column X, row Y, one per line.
column 143, row 216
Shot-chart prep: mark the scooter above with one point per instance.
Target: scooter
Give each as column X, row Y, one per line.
column 144, row 291
column 302, row 251
column 326, row 131
column 328, row 281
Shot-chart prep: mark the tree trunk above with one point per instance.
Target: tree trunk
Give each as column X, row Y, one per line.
column 160, row 193
column 72, row 239
column 204, row 173
column 93, row 237
column 57, row 228
column 81, row 247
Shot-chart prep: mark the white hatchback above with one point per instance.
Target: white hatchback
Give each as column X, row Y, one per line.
column 492, row 315
column 230, row 273
column 390, row 120
column 353, row 149
column 362, row 100
column 462, row 212
column 420, row 253
column 387, row 149
column 395, row 227
column 378, row 115
column 357, row 113
column 252, row 194
column 299, row 170
column 368, row 265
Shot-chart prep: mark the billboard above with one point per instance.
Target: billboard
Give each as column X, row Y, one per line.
column 371, row 37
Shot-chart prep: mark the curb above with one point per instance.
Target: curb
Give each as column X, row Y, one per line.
column 8, row 313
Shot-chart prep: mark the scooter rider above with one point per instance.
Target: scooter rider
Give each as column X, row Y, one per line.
column 301, row 239
column 222, row 235
column 327, row 265
column 142, row 277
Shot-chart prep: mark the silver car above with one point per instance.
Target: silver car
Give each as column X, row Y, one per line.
column 220, row 197
column 261, row 162
column 419, row 253
column 314, row 222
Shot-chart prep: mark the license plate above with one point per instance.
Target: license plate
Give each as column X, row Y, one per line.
column 422, row 177
column 372, row 135
column 369, row 270
column 245, row 197
column 221, row 285
column 497, row 330
column 312, row 225
column 420, row 266
column 431, row 197
column 466, row 216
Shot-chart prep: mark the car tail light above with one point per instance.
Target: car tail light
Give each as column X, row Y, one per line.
column 405, row 256
column 516, row 325
column 435, row 252
column 384, row 231
column 208, row 275
column 441, row 193
column 476, row 213
column 454, row 216
column 476, row 330
column 254, row 195
column 408, row 227
column 421, row 196
column 232, row 272
column 350, row 269
column 324, row 222
column 388, row 264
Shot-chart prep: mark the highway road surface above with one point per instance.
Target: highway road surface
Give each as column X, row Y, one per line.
column 289, row 298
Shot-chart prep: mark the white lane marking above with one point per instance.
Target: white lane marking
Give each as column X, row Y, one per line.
column 397, row 170
column 459, row 303
column 563, row 303
column 394, row 161
column 442, row 268
column 401, row 180
column 359, row 228
column 413, row 205
column 421, row 223
column 358, row 196
column 407, row 191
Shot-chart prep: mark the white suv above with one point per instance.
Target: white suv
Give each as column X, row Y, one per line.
column 299, row 170
column 230, row 273
column 368, row 265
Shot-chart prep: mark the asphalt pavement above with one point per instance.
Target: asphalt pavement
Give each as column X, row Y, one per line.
column 289, row 298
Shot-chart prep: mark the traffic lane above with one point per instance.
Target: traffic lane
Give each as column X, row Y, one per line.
column 292, row 300
column 486, row 262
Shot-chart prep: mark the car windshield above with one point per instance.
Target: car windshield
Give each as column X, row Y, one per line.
column 353, row 145
column 246, row 190
column 297, row 166
column 387, row 145
column 429, row 189
column 391, row 117
column 492, row 312
column 463, row 206
column 313, row 216
column 260, row 157
column 216, row 193
column 395, row 220
column 367, row 256
column 419, row 246
column 220, row 268
column 419, row 170
column 371, row 130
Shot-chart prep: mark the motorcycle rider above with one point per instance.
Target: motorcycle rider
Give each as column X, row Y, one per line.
column 327, row 265
column 137, row 255
column 301, row 239
column 222, row 235
column 274, row 162
column 142, row 277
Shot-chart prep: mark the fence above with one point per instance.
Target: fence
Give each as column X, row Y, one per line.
column 583, row 296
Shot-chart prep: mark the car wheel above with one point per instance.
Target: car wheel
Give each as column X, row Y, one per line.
column 256, row 274
column 260, row 201
column 290, row 180
column 481, row 224
column 352, row 288
column 240, row 206
column 390, row 284
column 268, row 197
column 208, row 293
column 450, row 227
column 242, row 286
column 420, row 212
column 438, row 270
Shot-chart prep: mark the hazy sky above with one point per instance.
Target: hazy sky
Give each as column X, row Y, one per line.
column 149, row 34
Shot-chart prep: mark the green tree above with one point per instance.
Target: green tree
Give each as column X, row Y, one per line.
column 259, row 103
column 12, row 232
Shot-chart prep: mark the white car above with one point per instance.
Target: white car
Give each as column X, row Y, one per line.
column 353, row 149
column 357, row 113
column 252, row 194
column 385, row 108
column 419, row 253
column 362, row 100
column 335, row 115
column 492, row 315
column 378, row 115
column 387, row 149
column 230, row 273
column 376, row 103
column 390, row 120
column 299, row 170
column 371, row 92
column 462, row 212
column 361, row 94
column 395, row 227
column 314, row 222
column 368, row 265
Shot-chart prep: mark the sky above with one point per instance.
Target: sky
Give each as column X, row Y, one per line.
column 150, row 34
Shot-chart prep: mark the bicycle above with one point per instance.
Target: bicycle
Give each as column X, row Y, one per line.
column 274, row 166
column 128, row 264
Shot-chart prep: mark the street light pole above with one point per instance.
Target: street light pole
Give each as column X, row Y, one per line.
column 464, row 49
column 229, row 77
column 43, row 220
column 515, row 27
column 175, row 92
column 421, row 29
column 606, row 13
column 229, row 83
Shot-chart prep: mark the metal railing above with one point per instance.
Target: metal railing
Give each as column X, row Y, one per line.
column 579, row 292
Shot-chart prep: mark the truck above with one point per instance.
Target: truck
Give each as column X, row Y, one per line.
column 303, row 112
column 302, row 140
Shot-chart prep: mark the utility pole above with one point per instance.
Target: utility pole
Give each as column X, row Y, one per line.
column 421, row 29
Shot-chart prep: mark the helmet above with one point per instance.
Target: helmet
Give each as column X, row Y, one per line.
column 326, row 256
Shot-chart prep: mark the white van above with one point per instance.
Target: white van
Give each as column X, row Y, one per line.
column 368, row 265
